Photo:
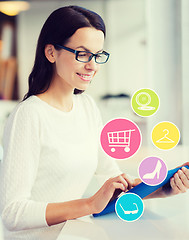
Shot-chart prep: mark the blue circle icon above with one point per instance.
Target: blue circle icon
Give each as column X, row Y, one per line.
column 129, row 207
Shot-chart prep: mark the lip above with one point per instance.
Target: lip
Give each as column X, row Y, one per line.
column 85, row 77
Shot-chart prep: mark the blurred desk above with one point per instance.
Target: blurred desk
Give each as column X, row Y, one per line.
column 166, row 219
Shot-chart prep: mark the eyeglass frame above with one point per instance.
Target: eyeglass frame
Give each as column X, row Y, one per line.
column 76, row 52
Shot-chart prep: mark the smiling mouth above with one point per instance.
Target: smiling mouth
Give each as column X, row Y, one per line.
column 85, row 77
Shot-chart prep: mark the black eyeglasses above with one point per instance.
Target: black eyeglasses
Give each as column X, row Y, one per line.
column 86, row 56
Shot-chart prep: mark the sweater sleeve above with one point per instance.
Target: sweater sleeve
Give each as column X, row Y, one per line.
column 21, row 144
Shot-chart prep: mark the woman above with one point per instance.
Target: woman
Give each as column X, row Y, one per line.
column 51, row 138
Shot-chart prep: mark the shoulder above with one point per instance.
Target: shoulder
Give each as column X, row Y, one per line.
column 25, row 110
column 23, row 119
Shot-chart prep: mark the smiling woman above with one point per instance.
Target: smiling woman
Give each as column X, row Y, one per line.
column 51, row 137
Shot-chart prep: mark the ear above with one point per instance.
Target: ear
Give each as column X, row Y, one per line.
column 50, row 53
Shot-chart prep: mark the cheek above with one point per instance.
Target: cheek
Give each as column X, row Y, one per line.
column 97, row 68
column 65, row 67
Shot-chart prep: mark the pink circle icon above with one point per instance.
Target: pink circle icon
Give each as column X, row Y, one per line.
column 120, row 138
column 152, row 171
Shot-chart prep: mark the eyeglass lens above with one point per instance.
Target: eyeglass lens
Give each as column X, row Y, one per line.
column 84, row 56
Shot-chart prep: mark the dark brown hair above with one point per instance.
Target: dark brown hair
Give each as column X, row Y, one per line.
column 58, row 28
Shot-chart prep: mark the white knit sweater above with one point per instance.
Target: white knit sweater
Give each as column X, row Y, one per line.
column 49, row 156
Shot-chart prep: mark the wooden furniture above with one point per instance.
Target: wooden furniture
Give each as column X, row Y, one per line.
column 8, row 72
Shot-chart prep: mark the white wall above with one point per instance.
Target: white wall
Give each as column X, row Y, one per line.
column 127, row 43
column 185, row 71
column 164, row 59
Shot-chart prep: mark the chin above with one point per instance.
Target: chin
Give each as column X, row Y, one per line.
column 83, row 88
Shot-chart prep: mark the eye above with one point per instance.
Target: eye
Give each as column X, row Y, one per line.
column 83, row 54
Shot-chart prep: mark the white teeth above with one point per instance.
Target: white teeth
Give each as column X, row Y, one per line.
column 87, row 77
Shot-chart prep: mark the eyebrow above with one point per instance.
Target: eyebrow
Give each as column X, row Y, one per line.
column 86, row 49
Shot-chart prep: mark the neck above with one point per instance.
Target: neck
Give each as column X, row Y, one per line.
column 59, row 96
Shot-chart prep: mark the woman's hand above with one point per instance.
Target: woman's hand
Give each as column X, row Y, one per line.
column 113, row 186
column 117, row 192
column 179, row 183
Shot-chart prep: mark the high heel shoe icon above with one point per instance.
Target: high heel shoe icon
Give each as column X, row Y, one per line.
column 156, row 171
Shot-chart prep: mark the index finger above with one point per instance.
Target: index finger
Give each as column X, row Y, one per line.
column 129, row 180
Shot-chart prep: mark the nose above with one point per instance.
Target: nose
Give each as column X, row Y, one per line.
column 92, row 65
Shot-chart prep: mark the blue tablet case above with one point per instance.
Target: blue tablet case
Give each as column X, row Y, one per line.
column 141, row 190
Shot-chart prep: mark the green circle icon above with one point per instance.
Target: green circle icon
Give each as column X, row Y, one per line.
column 145, row 102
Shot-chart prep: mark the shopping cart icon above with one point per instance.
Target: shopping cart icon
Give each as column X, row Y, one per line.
column 120, row 139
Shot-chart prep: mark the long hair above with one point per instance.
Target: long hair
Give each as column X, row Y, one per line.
column 58, row 28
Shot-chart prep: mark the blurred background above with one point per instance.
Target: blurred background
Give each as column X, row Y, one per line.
column 149, row 45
